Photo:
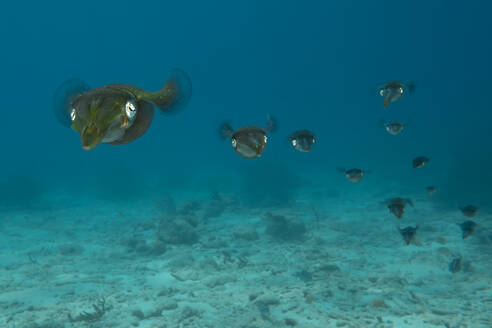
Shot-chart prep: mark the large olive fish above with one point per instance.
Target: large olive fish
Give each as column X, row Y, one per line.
column 116, row 114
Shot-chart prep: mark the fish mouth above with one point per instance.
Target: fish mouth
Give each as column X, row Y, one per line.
column 90, row 137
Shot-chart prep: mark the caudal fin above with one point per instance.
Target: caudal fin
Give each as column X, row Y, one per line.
column 411, row 87
column 175, row 95
column 271, row 125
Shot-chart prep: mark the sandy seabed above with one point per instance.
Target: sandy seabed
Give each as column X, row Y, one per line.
column 224, row 265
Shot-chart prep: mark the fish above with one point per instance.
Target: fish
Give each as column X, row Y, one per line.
column 116, row 114
column 469, row 211
column 394, row 91
column 409, row 235
column 353, row 175
column 420, row 161
column 302, row 140
column 397, row 205
column 431, row 190
column 393, row 127
column 250, row 141
column 467, row 228
column 455, row 265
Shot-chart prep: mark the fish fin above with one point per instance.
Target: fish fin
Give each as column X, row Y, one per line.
column 225, row 130
column 367, row 171
column 377, row 90
column 341, row 170
column 271, row 125
column 386, row 102
column 382, row 122
column 409, row 202
column 140, row 125
column 411, row 86
column 175, row 94
column 64, row 95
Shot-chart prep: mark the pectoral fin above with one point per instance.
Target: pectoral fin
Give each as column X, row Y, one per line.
column 142, row 122
column 64, row 95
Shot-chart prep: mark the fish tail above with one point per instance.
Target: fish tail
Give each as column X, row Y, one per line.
column 175, row 94
column 271, row 125
column 225, row 130
column 411, row 86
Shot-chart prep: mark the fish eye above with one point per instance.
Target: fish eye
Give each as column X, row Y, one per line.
column 381, row 92
column 73, row 114
column 314, row 140
column 233, row 142
column 401, row 90
column 294, row 142
column 130, row 109
column 265, row 139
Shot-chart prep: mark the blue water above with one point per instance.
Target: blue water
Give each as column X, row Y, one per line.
column 312, row 65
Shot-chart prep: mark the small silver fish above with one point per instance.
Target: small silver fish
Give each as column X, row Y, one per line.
column 420, row 161
column 353, row 175
column 469, row 211
column 302, row 140
column 393, row 127
column 431, row 190
column 397, row 205
column 467, row 227
column 394, row 91
column 409, row 235
column 250, row 141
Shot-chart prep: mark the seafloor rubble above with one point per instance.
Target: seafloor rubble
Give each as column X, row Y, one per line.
column 215, row 263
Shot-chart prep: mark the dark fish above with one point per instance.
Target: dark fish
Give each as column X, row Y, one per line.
column 431, row 190
column 467, row 227
column 409, row 234
column 469, row 211
column 353, row 175
column 250, row 141
column 393, row 127
column 117, row 113
column 302, row 140
column 455, row 265
column 397, row 205
column 420, row 162
column 394, row 91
